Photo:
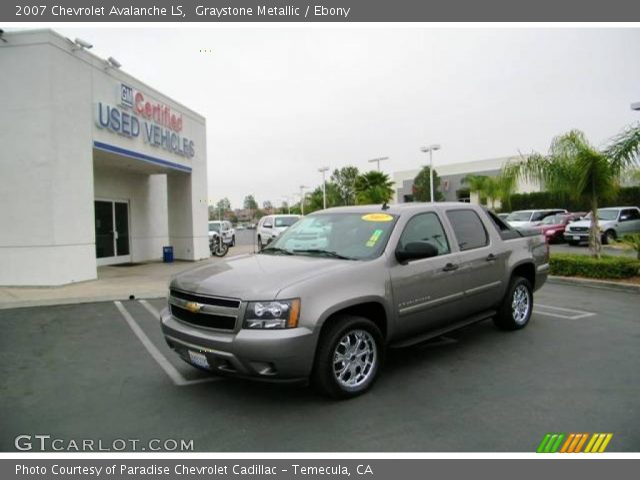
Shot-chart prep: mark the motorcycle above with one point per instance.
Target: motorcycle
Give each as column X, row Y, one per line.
column 217, row 246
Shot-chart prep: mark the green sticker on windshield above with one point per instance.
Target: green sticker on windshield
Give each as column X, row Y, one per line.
column 375, row 236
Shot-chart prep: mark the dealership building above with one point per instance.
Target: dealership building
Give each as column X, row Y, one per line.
column 97, row 168
column 452, row 176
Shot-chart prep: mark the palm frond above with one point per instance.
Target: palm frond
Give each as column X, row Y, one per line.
column 624, row 150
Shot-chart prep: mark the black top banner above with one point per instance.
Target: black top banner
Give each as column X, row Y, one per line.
column 319, row 11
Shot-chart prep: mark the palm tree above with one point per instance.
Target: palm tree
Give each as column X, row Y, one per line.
column 373, row 187
column 575, row 168
column 492, row 188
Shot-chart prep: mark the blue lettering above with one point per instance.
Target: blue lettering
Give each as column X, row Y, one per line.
column 156, row 135
column 126, row 124
column 148, row 129
column 135, row 126
column 103, row 121
column 115, row 120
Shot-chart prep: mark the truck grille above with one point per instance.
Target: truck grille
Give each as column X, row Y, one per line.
column 578, row 229
column 204, row 311
column 203, row 319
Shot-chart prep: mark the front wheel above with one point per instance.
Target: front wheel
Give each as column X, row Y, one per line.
column 220, row 249
column 609, row 237
column 517, row 306
column 349, row 356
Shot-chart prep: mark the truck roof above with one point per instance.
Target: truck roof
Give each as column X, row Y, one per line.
column 397, row 208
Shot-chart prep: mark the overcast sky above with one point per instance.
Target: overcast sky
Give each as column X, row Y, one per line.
column 282, row 102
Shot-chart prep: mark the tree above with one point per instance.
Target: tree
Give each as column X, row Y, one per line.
column 576, row 168
column 422, row 186
column 250, row 203
column 492, row 188
column 373, row 187
column 223, row 205
column 345, row 184
column 267, row 205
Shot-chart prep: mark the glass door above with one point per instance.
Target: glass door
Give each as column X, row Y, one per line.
column 112, row 232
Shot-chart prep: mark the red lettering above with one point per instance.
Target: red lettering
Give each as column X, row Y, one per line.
column 139, row 102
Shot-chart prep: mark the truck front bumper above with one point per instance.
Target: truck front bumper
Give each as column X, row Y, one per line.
column 285, row 354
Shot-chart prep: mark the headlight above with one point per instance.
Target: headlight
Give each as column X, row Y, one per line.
column 270, row 315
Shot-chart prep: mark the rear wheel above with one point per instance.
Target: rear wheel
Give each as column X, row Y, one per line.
column 349, row 356
column 259, row 243
column 517, row 306
column 233, row 241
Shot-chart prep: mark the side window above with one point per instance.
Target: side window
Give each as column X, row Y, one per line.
column 469, row 229
column 630, row 214
column 268, row 223
column 426, row 227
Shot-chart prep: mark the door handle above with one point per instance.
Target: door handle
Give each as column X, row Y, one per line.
column 491, row 257
column 450, row 267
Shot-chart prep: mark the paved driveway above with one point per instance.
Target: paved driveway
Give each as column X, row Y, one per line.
column 102, row 371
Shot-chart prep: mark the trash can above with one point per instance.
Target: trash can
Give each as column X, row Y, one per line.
column 167, row 254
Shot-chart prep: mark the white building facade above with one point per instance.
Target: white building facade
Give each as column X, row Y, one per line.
column 451, row 179
column 96, row 167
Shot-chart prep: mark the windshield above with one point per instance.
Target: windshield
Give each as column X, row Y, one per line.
column 214, row 227
column 607, row 214
column 284, row 221
column 553, row 220
column 353, row 236
column 523, row 216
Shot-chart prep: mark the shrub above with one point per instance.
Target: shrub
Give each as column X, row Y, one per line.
column 575, row 265
column 526, row 201
column 632, row 240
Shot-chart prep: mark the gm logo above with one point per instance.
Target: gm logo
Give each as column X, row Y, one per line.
column 126, row 95
column 574, row 443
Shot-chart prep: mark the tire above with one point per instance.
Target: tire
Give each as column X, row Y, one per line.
column 516, row 308
column 609, row 237
column 221, row 249
column 259, row 243
column 360, row 370
column 233, row 241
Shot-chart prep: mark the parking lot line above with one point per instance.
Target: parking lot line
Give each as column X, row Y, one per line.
column 150, row 309
column 561, row 312
column 175, row 376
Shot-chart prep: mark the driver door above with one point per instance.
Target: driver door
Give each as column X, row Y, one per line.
column 428, row 292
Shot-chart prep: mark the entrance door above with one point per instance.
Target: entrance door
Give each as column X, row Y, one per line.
column 112, row 232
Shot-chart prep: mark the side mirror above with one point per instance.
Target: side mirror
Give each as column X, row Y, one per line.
column 415, row 251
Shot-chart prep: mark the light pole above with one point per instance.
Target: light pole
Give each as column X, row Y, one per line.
column 430, row 149
column 324, row 170
column 302, row 187
column 377, row 161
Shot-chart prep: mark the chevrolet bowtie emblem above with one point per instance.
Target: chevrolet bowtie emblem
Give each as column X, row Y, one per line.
column 193, row 307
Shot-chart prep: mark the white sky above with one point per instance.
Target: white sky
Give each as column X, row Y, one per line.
column 282, row 102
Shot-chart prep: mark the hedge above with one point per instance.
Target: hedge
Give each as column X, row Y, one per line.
column 575, row 265
column 527, row 201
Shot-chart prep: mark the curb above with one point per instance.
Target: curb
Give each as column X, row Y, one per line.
column 50, row 302
column 587, row 282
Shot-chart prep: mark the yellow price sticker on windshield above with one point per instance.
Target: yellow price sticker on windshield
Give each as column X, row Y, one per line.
column 377, row 217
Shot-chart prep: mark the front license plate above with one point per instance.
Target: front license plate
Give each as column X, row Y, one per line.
column 198, row 359
column 576, row 237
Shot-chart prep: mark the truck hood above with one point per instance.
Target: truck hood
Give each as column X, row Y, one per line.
column 604, row 224
column 255, row 277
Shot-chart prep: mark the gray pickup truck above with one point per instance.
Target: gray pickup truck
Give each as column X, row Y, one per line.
column 326, row 298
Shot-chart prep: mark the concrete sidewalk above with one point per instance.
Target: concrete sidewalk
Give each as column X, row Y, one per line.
column 147, row 280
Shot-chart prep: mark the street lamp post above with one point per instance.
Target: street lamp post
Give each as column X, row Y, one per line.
column 324, row 170
column 302, row 187
column 377, row 161
column 430, row 149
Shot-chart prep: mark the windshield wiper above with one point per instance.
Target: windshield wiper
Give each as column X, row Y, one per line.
column 277, row 249
column 328, row 253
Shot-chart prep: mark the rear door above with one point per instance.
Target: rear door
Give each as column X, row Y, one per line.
column 629, row 221
column 481, row 257
column 427, row 291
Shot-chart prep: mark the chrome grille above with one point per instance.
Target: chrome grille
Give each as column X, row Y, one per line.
column 199, row 310
column 578, row 229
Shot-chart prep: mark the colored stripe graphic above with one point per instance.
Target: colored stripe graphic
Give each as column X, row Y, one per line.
column 598, row 442
column 574, row 442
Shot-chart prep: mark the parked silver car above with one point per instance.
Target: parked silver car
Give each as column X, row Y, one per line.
column 399, row 275
column 613, row 222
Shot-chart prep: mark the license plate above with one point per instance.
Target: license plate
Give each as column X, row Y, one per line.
column 576, row 237
column 198, row 359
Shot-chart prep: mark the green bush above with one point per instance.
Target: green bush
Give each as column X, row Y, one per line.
column 526, row 201
column 574, row 265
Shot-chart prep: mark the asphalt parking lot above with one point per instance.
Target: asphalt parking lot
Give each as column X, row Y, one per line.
column 102, row 371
